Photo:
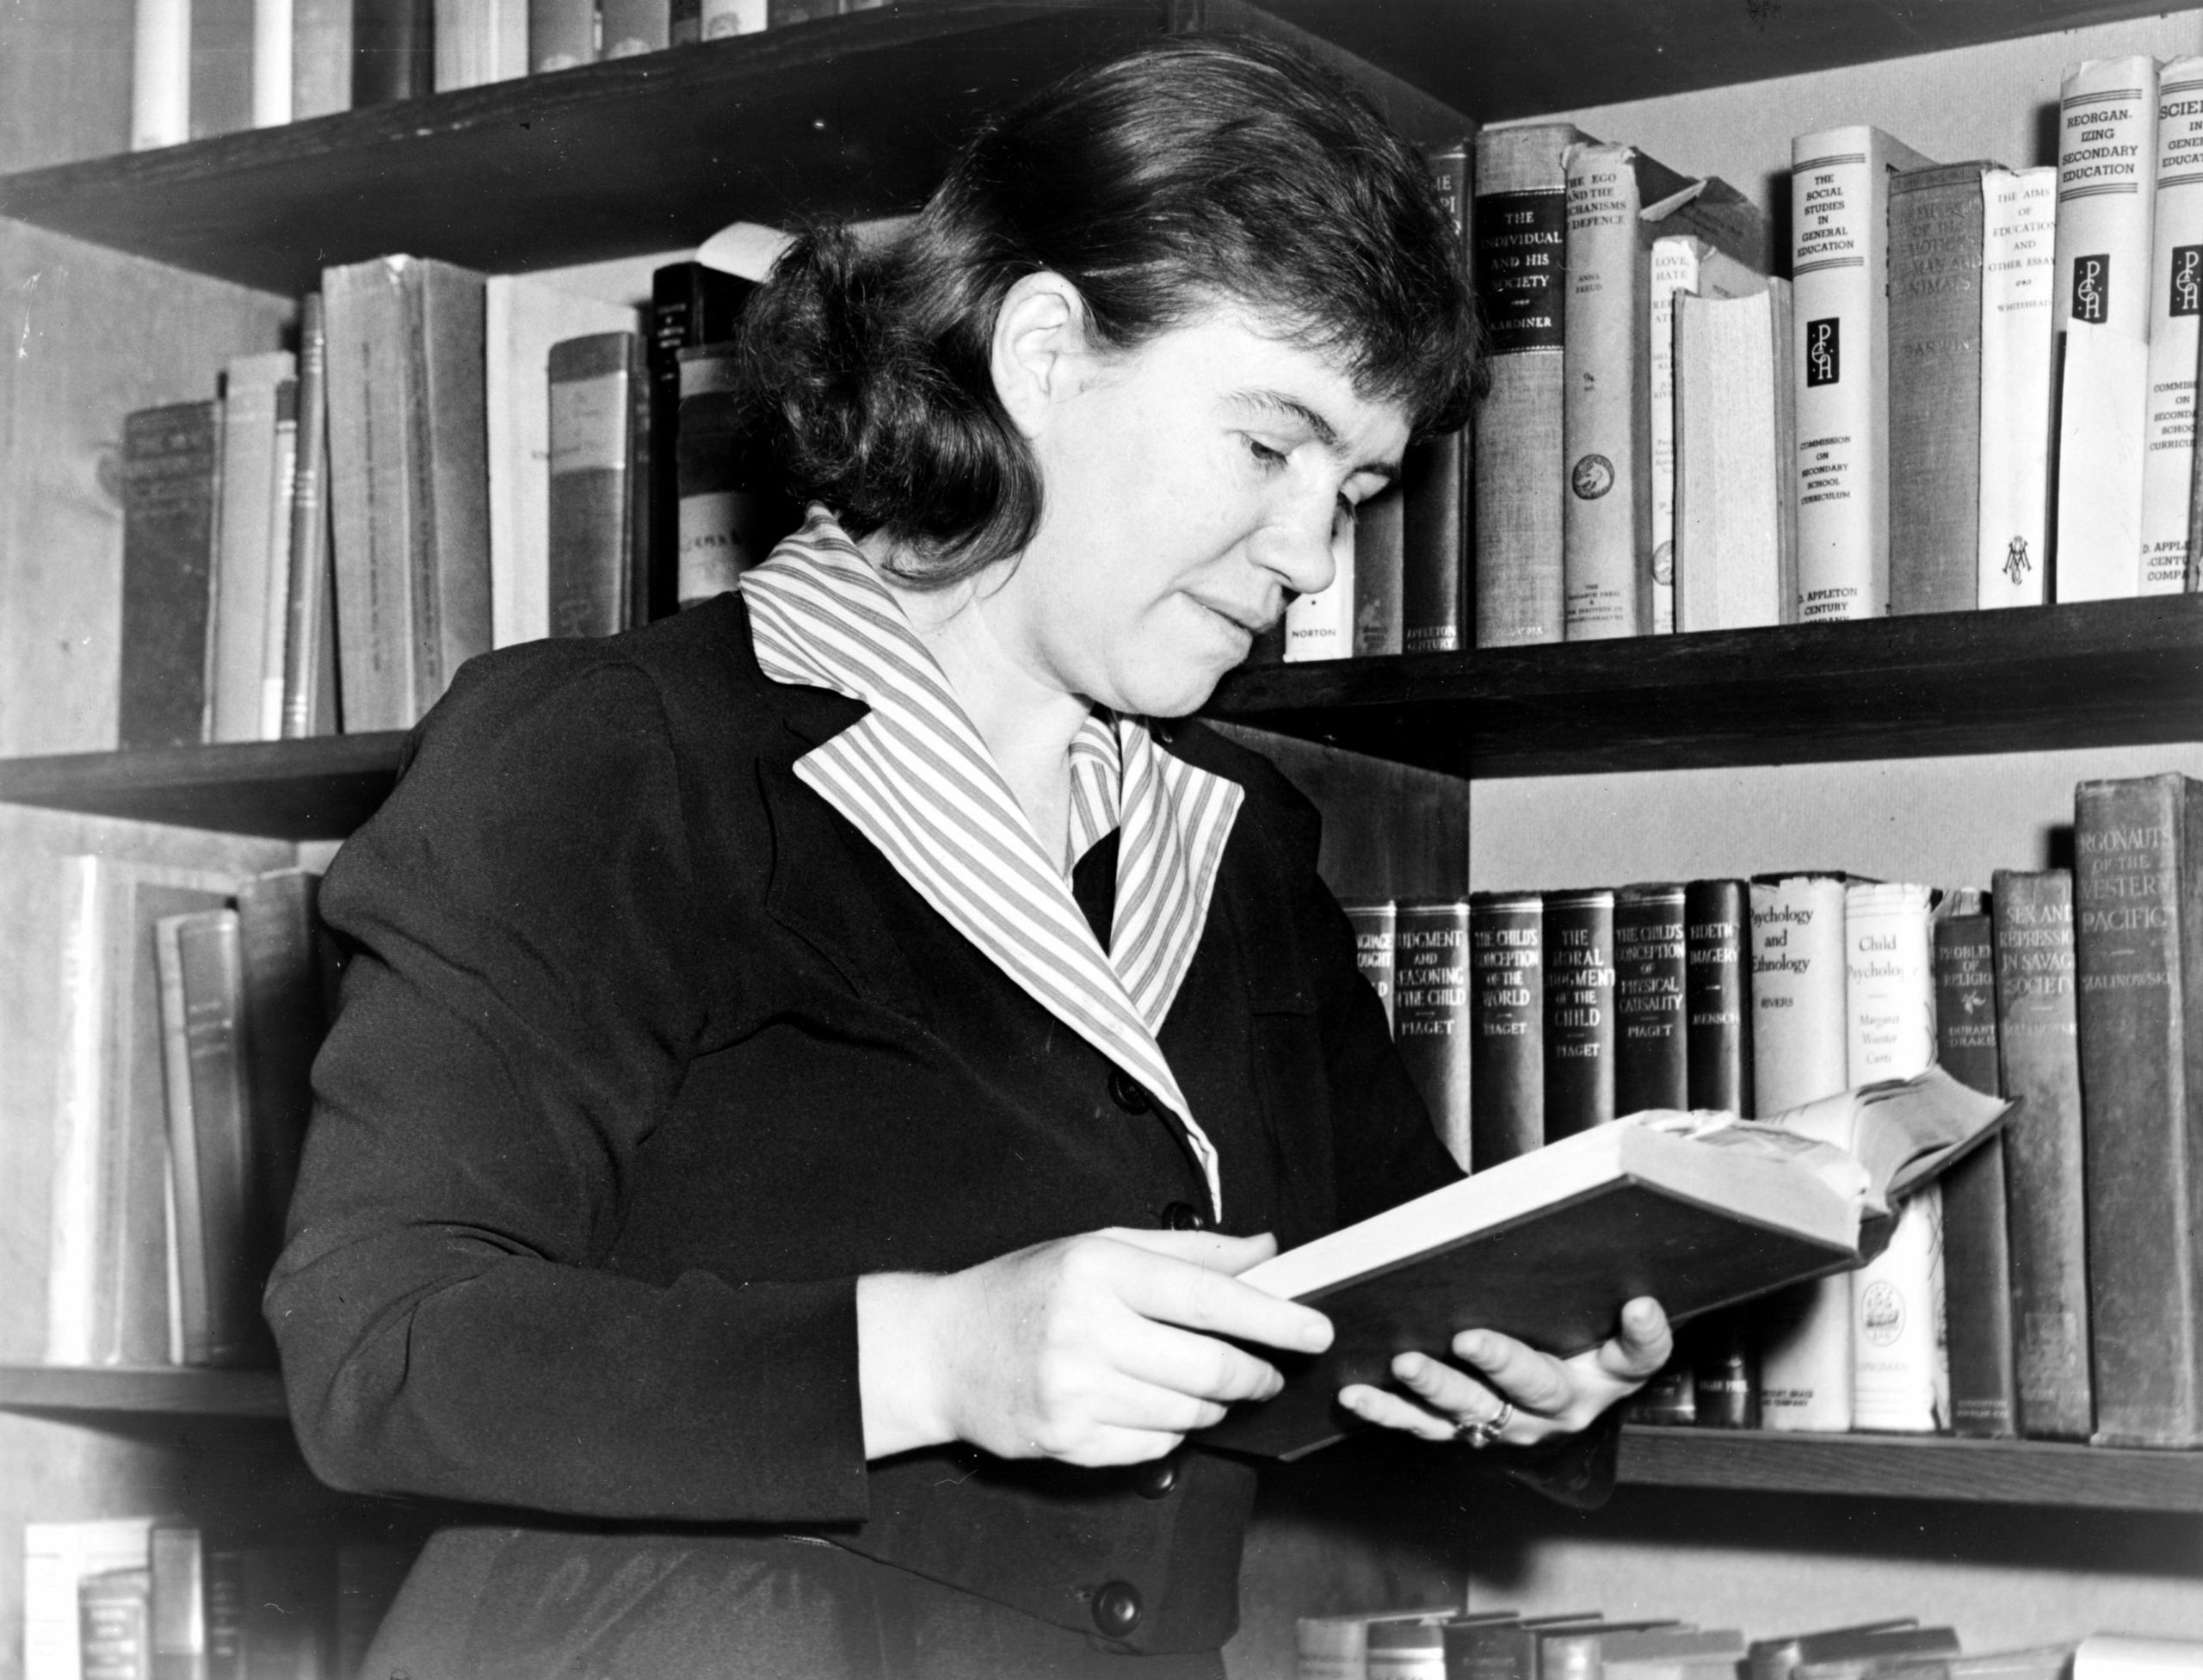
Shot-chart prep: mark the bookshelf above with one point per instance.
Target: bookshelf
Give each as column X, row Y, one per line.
column 854, row 116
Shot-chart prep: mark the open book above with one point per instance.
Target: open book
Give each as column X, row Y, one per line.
column 1696, row 1211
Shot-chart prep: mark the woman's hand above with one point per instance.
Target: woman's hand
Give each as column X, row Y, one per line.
column 1548, row 1396
column 1100, row 1348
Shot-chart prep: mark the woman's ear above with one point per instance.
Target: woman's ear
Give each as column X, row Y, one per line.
column 1040, row 345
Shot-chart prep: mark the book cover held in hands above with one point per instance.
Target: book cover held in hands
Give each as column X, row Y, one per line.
column 1547, row 1247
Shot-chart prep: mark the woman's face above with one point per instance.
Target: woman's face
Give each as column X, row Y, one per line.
column 1191, row 487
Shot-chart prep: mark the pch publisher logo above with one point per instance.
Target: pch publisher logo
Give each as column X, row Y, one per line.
column 2092, row 288
column 1823, row 358
column 2187, row 280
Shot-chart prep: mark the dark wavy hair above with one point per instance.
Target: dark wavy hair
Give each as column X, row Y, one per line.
column 1190, row 171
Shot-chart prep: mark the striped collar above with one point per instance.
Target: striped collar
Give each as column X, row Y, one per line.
column 916, row 779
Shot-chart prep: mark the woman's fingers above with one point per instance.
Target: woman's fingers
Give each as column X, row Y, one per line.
column 1643, row 1345
column 1189, row 1278
column 1535, row 1381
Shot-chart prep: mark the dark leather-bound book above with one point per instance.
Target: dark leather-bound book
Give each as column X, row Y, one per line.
column 1936, row 228
column 1379, row 564
column 281, row 952
column 1430, row 1012
column 1650, row 1051
column 730, row 509
column 599, row 515
column 1376, row 933
column 690, row 305
column 1579, row 927
column 1434, row 482
column 2038, row 1051
column 393, row 50
column 2138, row 905
column 1507, row 1108
column 1976, row 1247
column 1718, row 996
column 171, row 470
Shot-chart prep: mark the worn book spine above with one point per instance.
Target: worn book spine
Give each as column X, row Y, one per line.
column 728, row 513
column 1651, row 1045
column 2018, row 267
column 1430, row 1013
column 1680, row 264
column 275, row 605
column 1606, row 522
column 247, row 551
column 2103, row 407
column 371, row 488
column 1976, row 1245
column 1507, row 1073
column 1321, row 625
column 309, row 663
column 1800, row 1051
column 2175, row 306
column 176, row 1603
column 273, row 24
column 282, row 1021
column 2107, row 188
column 1379, row 560
column 1376, row 930
column 1900, row 1378
column 1726, row 1370
column 171, row 469
column 160, row 74
column 1717, row 996
column 1579, row 937
column 221, row 67
column 1736, row 560
column 321, row 58
column 114, row 1619
column 1518, row 473
column 636, row 26
column 447, row 410
column 1839, row 198
column 480, row 41
column 1434, row 481
column 2037, row 1050
column 690, row 305
column 593, row 487
column 393, row 50
column 561, row 33
column 2137, row 904
column 1934, row 303
column 82, row 990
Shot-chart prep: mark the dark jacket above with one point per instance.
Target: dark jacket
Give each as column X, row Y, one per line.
column 645, row 1055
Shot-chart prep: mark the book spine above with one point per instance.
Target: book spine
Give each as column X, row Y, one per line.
column 176, row 1604
column 1518, row 471
column 80, row 1105
column 2136, row 892
column 591, row 485
column 561, row 33
column 224, row 1580
column 1376, row 931
column 686, row 26
column 631, row 27
column 1976, row 1245
column 283, row 1022
column 449, row 413
column 690, row 305
column 1800, row 1047
column 2106, row 187
column 1726, row 1371
column 1890, row 985
column 1507, row 1072
column 321, row 58
column 1321, row 625
column 2103, row 403
column 480, row 41
column 115, row 1621
column 1717, row 996
column 1652, row 1057
column 310, row 614
column 724, row 19
column 240, row 577
column 727, row 519
column 1434, row 480
column 1579, row 1005
column 1839, row 196
column 1935, row 305
column 1735, row 517
column 2175, row 305
column 1605, row 560
column 1900, row 1378
column 276, row 563
column 1430, row 1016
column 160, row 74
column 212, row 1128
column 1670, row 1398
column 2037, row 1051
column 188, row 1224
column 393, row 50
column 1673, row 269
column 1380, row 560
column 274, row 26
column 171, row 470
column 2018, row 269
column 221, row 80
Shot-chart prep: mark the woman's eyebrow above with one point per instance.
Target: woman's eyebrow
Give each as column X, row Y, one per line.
column 1290, row 407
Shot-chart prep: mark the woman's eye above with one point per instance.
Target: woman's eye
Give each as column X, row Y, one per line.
column 1264, row 455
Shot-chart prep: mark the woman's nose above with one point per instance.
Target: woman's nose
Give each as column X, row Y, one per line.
column 1303, row 553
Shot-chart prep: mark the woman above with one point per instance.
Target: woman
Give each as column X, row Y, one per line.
column 812, row 1071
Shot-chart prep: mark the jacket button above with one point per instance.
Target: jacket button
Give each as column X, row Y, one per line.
column 1156, row 1479
column 1116, row 1608
column 1127, row 1093
column 1182, row 1216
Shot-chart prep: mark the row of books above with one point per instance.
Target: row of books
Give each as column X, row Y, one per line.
column 1507, row 1644
column 160, row 1599
column 1673, row 440
column 1525, row 1017
column 207, row 67
column 450, row 462
column 191, row 1004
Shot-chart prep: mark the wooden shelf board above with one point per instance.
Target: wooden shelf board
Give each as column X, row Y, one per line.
column 2092, row 674
column 317, row 789
column 1939, row 1467
column 846, row 116
column 166, row 1390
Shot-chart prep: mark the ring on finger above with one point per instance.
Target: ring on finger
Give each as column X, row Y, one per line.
column 1481, row 1432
